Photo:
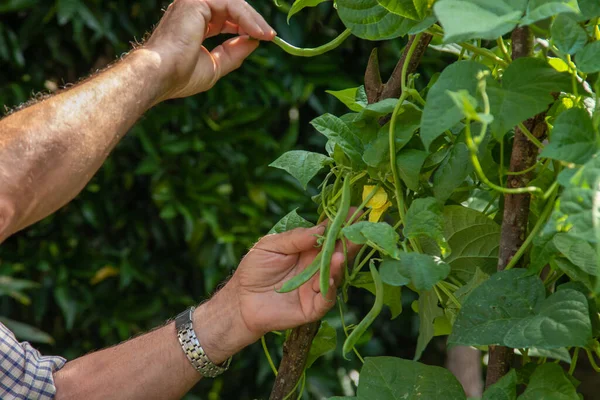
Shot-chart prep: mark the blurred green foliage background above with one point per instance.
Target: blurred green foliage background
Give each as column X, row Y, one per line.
column 184, row 195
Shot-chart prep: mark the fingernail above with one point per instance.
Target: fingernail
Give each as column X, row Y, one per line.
column 320, row 229
column 273, row 32
column 262, row 33
column 331, row 282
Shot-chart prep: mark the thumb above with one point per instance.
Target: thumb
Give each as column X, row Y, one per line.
column 291, row 242
column 230, row 55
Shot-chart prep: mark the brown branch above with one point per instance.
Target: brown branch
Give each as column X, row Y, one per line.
column 516, row 207
column 393, row 87
column 295, row 354
column 373, row 84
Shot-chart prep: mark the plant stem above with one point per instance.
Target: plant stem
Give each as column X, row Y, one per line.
column 536, row 229
column 484, row 53
column 268, row 355
column 574, row 361
column 503, row 49
column 592, row 360
column 448, row 293
column 530, row 136
column 306, row 52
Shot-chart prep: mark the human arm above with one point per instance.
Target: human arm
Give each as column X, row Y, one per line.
column 154, row 366
column 50, row 150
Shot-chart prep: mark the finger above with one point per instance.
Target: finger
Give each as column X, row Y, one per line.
column 226, row 27
column 291, row 242
column 266, row 28
column 230, row 55
column 240, row 13
column 335, row 274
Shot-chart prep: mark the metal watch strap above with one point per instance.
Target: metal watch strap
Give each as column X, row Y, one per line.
column 192, row 348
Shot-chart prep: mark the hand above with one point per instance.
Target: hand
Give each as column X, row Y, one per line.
column 249, row 301
column 186, row 65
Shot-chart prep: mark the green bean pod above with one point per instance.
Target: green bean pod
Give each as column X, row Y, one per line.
column 333, row 232
column 370, row 317
column 303, row 276
column 307, row 52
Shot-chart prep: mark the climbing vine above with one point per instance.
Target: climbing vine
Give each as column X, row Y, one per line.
column 491, row 165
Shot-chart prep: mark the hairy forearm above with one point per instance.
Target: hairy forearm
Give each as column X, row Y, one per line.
column 153, row 366
column 49, row 151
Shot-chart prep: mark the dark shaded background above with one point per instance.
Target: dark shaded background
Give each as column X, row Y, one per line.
column 186, row 193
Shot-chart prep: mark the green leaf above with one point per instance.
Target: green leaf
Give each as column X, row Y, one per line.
column 509, row 309
column 589, row 294
column 568, row 36
column 369, row 20
column 382, row 107
column 504, row 389
column 409, row 163
column 380, row 234
column 392, row 295
column 452, row 172
column 561, row 353
column 300, row 4
column 579, row 252
column 548, row 381
column 413, row 9
column 589, row 9
column 542, row 9
column 478, row 19
column 26, row 332
column 440, row 112
column 302, row 165
column 572, row 139
column 428, row 312
column 425, row 218
column 422, row 270
column 408, row 121
column 474, row 240
column 349, row 97
column 588, row 58
column 391, row 378
column 527, row 87
column 289, row 222
column 338, row 132
column 324, row 342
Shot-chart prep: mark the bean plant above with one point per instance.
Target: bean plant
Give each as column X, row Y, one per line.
column 478, row 190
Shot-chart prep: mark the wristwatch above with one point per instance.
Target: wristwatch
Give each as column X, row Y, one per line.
column 192, row 348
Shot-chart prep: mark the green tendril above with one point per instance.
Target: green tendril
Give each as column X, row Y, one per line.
column 307, row 52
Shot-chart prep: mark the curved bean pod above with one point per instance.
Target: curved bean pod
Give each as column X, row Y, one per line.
column 332, row 234
column 370, row 317
column 303, row 52
column 303, row 276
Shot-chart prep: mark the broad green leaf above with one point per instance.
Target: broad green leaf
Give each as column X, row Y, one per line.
column 463, row 292
column 409, row 163
column 478, row 19
column 382, row 107
column 440, row 112
column 527, row 87
column 289, row 222
column 568, row 36
column 413, row 9
column 593, row 307
column 338, row 132
column 391, row 378
column 422, row 270
column 324, row 342
column 302, row 165
column 379, row 234
column 572, row 139
column 350, row 98
column 301, row 4
column 428, row 312
column 509, row 309
column 579, row 252
column 424, row 218
column 392, row 295
column 504, row 389
column 549, row 381
column 575, row 273
column 26, row 332
column 542, row 9
column 452, row 172
column 561, row 354
column 407, row 122
column 588, row 58
column 369, row 20
column 589, row 9
column 473, row 238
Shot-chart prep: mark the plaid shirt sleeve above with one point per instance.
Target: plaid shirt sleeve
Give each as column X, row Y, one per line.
column 24, row 373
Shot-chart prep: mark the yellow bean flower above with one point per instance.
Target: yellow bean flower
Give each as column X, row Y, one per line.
column 378, row 204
